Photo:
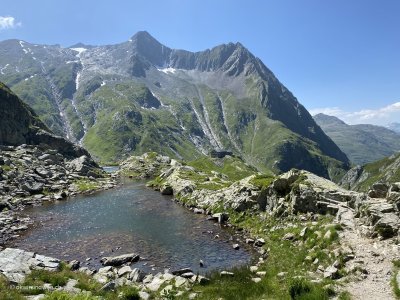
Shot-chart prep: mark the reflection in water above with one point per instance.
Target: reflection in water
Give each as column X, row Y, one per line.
column 131, row 218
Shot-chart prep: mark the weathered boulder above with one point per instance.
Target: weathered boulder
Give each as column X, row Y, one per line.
column 378, row 190
column 388, row 225
column 120, row 260
column 15, row 264
column 84, row 165
column 33, row 187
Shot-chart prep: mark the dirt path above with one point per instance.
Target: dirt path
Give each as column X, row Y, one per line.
column 375, row 257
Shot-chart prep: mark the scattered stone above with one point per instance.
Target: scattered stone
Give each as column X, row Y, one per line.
column 180, row 281
column 331, row 272
column 256, row 279
column 259, row 242
column 236, row 246
column 261, row 273
column 182, row 271
column 187, row 275
column 155, row 284
column 281, row 274
column 288, row 236
column 328, row 235
column 249, row 241
column 108, row 286
column 124, row 271
column 144, row 296
column 120, row 260
column 253, row 269
column 226, row 273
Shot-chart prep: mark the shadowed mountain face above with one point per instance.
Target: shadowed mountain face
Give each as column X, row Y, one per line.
column 362, row 143
column 142, row 96
column 20, row 125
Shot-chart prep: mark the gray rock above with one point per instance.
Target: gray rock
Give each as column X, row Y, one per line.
column 331, row 272
column 236, row 246
column 120, row 260
column 388, row 225
column 15, row 264
column 136, row 275
column 182, row 271
column 155, row 284
column 259, row 242
column 144, row 295
column 226, row 273
column 108, row 286
column 187, row 275
column 124, row 271
column 33, row 187
column 74, row 265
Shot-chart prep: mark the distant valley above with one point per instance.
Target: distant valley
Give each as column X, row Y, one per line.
column 362, row 143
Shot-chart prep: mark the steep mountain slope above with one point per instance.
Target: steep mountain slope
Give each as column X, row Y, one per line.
column 362, row 178
column 362, row 143
column 20, row 125
column 142, row 96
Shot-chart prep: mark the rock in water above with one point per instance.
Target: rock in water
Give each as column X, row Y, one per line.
column 120, row 260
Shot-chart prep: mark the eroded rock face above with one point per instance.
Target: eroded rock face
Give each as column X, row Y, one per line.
column 15, row 264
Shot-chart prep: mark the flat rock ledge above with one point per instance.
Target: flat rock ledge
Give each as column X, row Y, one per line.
column 15, row 264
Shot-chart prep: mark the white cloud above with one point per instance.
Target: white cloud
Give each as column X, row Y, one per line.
column 8, row 23
column 380, row 116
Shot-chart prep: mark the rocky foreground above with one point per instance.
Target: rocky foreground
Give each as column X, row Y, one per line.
column 309, row 232
column 366, row 247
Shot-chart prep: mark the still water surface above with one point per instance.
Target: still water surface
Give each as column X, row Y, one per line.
column 130, row 218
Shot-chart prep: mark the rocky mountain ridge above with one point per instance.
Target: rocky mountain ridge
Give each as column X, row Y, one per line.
column 140, row 96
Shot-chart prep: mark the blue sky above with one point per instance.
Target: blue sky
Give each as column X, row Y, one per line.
column 341, row 57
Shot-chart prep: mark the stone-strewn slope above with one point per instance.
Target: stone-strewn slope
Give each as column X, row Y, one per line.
column 369, row 223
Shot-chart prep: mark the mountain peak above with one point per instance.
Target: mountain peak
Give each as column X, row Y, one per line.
column 328, row 119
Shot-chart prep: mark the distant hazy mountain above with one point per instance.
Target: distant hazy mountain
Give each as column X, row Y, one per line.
column 140, row 96
column 394, row 126
column 362, row 143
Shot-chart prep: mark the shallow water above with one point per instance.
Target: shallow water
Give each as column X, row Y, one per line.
column 136, row 219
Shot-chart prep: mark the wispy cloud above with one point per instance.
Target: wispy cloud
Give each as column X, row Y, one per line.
column 8, row 22
column 380, row 116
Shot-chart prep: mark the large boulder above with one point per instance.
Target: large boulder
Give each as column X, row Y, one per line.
column 84, row 166
column 15, row 264
column 388, row 225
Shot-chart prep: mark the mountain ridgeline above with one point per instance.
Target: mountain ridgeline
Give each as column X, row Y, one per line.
column 362, row 143
column 140, row 96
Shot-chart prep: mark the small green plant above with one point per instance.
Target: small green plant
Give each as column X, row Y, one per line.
column 396, row 275
column 86, row 185
column 58, row 295
column 129, row 293
column 298, row 287
column 344, row 296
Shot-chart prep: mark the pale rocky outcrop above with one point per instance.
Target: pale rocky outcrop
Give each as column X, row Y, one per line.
column 15, row 264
